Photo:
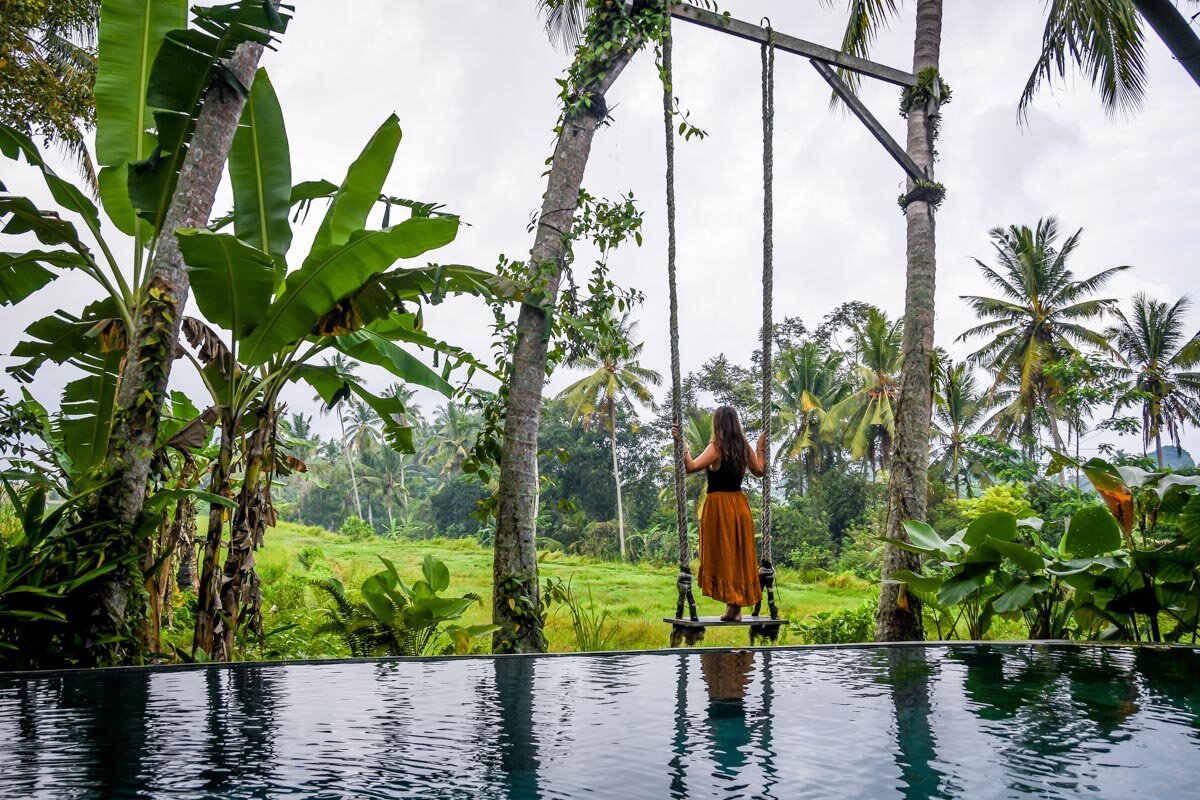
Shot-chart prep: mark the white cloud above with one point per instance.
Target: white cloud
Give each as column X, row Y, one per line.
column 473, row 86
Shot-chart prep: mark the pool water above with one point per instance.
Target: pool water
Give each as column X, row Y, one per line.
column 871, row 722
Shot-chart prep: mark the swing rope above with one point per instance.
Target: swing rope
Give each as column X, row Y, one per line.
column 684, row 582
column 766, row 569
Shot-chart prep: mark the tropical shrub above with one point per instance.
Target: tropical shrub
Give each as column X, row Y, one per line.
column 356, row 530
column 594, row 627
column 390, row 618
column 1008, row 497
column 1097, row 582
column 846, row 626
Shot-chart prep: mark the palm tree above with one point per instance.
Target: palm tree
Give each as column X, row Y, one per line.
column 363, row 431
column 515, row 552
column 1159, row 363
column 864, row 421
column 809, row 381
column 1041, row 317
column 453, row 433
column 49, row 72
column 616, row 380
column 958, row 411
column 908, row 478
column 1104, row 40
column 344, row 366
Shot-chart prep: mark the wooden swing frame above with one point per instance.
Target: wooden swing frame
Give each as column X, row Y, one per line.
column 826, row 62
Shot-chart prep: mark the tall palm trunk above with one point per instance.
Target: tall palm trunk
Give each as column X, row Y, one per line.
column 146, row 371
column 1158, row 451
column 899, row 619
column 350, row 465
column 1056, row 436
column 514, row 568
column 1175, row 31
column 612, row 431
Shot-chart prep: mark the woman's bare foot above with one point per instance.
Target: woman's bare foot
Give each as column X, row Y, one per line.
column 732, row 613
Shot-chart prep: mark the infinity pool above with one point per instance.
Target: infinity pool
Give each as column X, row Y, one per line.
column 871, row 722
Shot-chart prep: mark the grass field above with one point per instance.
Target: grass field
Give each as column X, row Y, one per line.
column 637, row 596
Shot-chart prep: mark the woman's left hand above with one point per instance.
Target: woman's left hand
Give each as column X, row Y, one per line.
column 762, row 441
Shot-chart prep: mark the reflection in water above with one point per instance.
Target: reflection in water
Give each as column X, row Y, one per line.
column 518, row 733
column 896, row 722
column 909, row 676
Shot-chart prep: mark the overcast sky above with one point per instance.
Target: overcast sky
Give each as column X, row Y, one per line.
column 473, row 85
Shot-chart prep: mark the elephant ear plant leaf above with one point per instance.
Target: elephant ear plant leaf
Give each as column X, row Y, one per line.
column 1128, row 569
column 395, row 619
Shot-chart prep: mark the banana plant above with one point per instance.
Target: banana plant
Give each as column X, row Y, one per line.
column 267, row 325
column 1000, row 566
column 152, row 72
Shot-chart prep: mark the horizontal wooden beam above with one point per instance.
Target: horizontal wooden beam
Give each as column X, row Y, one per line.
column 791, row 44
column 855, row 104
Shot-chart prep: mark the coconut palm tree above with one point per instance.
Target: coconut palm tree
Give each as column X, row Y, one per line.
column 344, row 366
column 809, row 381
column 1159, row 362
column 616, row 380
column 453, row 433
column 957, row 412
column 864, row 421
column 1103, row 38
column 515, row 553
column 1042, row 316
column 907, row 480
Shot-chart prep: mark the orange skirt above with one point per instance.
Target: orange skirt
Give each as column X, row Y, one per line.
column 728, row 563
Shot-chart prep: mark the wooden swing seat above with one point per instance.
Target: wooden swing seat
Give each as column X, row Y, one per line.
column 717, row 622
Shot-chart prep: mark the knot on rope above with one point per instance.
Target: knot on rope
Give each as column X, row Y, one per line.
column 766, row 574
column 684, row 582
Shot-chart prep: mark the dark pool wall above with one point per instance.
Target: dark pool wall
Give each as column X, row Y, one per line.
column 910, row 722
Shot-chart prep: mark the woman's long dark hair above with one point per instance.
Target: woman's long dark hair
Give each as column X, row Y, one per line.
column 730, row 440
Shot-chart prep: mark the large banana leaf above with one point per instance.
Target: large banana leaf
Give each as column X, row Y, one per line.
column 231, row 281
column 186, row 65
column 14, row 143
column 88, row 405
column 372, row 348
column 22, row 274
column 131, row 33
column 360, row 191
column 333, row 386
column 25, row 217
column 333, row 272
column 260, row 169
column 60, row 337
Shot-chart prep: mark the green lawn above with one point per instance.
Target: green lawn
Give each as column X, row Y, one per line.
column 637, row 596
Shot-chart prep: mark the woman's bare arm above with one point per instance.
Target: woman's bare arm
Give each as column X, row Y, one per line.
column 754, row 459
column 706, row 459
column 691, row 465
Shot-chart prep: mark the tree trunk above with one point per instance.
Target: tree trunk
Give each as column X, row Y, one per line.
column 1175, row 31
column 1056, row 435
column 241, row 595
column 209, row 591
column 185, row 551
column 514, row 569
column 612, row 423
column 146, row 371
column 899, row 616
column 350, row 465
column 1158, row 453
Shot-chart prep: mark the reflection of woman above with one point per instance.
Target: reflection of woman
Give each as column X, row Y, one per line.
column 726, row 676
column 728, row 566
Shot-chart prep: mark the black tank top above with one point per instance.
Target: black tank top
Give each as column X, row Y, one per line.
column 725, row 479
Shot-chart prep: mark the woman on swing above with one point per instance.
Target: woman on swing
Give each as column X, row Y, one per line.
column 728, row 564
